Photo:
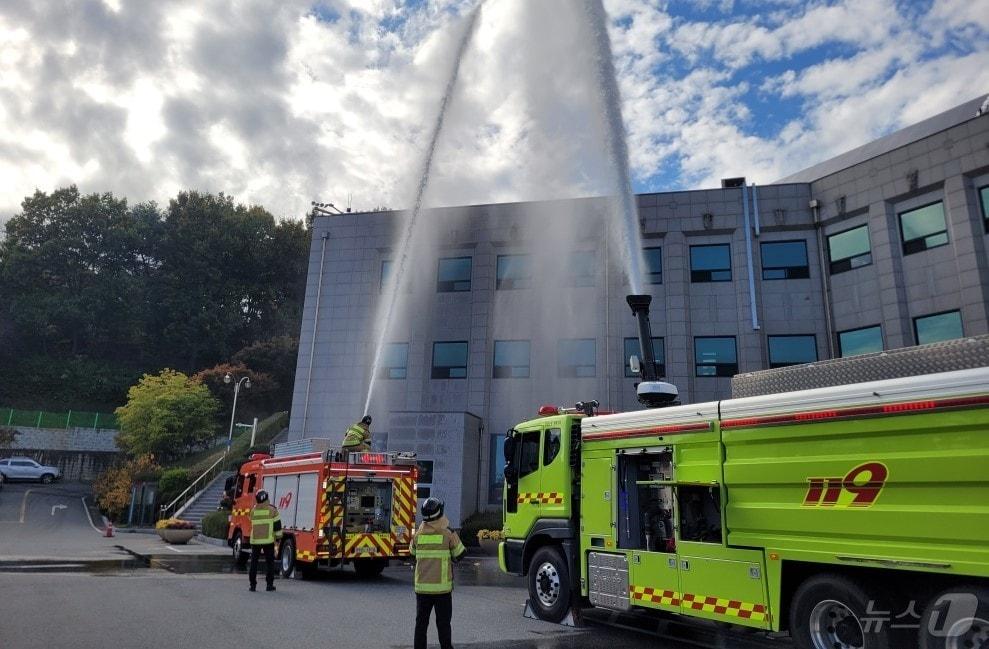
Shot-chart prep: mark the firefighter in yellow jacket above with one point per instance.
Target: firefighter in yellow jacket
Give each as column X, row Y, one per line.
column 266, row 528
column 435, row 548
column 358, row 437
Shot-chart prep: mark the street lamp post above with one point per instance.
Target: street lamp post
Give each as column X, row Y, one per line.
column 246, row 382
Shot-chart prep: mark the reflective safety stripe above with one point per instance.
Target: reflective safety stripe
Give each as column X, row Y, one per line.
column 432, row 554
column 263, row 519
column 427, row 539
column 443, row 587
column 460, row 549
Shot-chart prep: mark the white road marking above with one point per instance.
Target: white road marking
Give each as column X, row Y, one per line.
column 173, row 549
column 54, row 507
column 24, row 505
column 85, row 508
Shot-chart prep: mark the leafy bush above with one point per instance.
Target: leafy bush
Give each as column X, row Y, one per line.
column 112, row 488
column 477, row 522
column 491, row 535
column 174, row 524
column 215, row 524
column 172, row 483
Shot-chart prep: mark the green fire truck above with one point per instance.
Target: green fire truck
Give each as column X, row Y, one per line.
column 856, row 515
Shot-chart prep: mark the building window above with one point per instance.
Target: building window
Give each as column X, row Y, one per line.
column 654, row 265
column 923, row 228
column 984, row 200
column 715, row 356
column 514, row 271
column 860, row 341
column 453, row 275
column 937, row 327
column 387, row 266
column 582, row 268
column 511, row 359
column 792, row 350
column 496, row 469
column 394, row 361
column 849, row 249
column 424, row 482
column 450, row 360
column 576, row 358
column 710, row 263
column 632, row 348
column 784, row 260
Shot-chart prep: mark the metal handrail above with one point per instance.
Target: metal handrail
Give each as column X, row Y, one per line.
column 170, row 507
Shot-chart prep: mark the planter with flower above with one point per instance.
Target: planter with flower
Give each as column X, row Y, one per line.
column 489, row 541
column 175, row 530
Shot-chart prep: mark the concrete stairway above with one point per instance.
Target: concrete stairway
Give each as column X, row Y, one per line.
column 207, row 501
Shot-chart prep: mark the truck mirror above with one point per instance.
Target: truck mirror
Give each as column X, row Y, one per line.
column 511, row 474
column 635, row 364
column 509, row 448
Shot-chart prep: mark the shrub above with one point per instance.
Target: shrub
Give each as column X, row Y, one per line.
column 172, row 483
column 491, row 535
column 477, row 522
column 215, row 524
column 112, row 488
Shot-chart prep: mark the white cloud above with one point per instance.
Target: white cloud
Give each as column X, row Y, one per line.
column 275, row 106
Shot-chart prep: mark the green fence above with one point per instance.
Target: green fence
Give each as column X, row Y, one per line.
column 70, row 419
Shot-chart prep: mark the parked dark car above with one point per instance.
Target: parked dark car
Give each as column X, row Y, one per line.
column 24, row 468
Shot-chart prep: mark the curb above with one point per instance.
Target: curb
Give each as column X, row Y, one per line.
column 210, row 541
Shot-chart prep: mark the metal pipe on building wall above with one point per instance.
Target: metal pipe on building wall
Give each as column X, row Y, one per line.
column 815, row 208
column 315, row 330
column 748, row 257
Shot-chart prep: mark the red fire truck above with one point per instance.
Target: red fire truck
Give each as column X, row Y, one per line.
column 336, row 508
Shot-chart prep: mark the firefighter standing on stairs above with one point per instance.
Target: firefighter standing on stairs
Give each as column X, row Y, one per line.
column 266, row 528
column 435, row 548
column 358, row 437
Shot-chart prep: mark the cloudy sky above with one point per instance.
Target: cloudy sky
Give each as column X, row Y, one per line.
column 281, row 102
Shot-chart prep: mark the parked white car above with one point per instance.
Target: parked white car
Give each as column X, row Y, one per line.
column 24, row 468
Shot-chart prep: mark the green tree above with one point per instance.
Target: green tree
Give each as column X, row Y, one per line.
column 255, row 401
column 167, row 414
column 276, row 357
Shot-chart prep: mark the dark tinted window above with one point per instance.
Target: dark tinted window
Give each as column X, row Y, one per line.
column 576, row 358
column 654, row 265
column 552, row 441
column 860, row 341
column 937, row 327
column 582, row 268
column 849, row 249
column 923, row 228
column 710, row 263
column 453, row 275
column 632, row 349
column 529, row 461
column 792, row 350
column 514, row 271
column 394, row 361
column 715, row 356
column 511, row 359
column 784, row 260
column 449, row 360
column 386, row 270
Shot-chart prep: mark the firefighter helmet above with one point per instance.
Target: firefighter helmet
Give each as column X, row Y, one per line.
column 432, row 509
column 366, row 420
column 261, row 496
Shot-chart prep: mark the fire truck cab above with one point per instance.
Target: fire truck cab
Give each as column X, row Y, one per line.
column 335, row 507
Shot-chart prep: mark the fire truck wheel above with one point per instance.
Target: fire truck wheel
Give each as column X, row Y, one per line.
column 286, row 558
column 369, row 568
column 957, row 618
column 549, row 584
column 835, row 612
column 240, row 555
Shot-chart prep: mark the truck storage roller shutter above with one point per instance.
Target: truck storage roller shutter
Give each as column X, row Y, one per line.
column 305, row 513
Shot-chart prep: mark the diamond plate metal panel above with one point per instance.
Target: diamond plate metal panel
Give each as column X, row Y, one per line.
column 948, row 356
column 608, row 580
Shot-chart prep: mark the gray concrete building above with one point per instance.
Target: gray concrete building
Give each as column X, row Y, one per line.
column 511, row 306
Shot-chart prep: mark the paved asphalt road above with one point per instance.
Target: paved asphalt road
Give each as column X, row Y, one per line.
column 203, row 602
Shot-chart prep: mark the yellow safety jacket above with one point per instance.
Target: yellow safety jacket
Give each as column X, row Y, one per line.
column 357, row 438
column 435, row 549
column 266, row 524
